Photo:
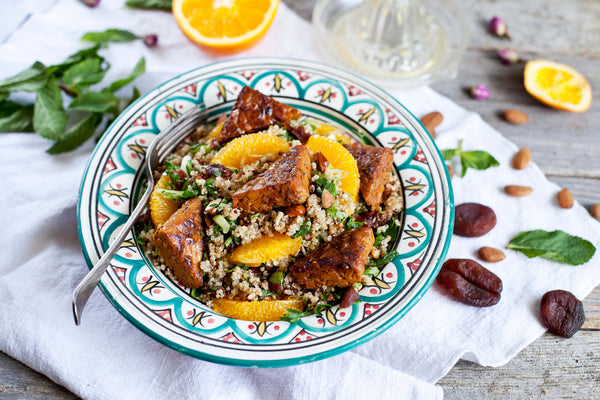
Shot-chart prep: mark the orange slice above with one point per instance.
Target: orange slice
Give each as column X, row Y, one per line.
column 224, row 24
column 557, row 85
column 161, row 208
column 266, row 248
column 260, row 310
column 216, row 130
column 339, row 158
column 249, row 148
column 328, row 131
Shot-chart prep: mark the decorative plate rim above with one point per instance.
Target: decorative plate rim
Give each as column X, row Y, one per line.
column 153, row 329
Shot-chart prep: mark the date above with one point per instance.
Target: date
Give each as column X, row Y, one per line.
column 473, row 219
column 562, row 313
column 469, row 282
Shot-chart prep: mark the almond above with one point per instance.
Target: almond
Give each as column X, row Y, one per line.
column 565, row 198
column 490, row 254
column 432, row 121
column 327, row 199
column 521, row 159
column 517, row 191
column 450, row 170
column 595, row 211
column 516, row 117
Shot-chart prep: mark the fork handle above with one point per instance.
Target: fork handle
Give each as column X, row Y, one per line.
column 84, row 290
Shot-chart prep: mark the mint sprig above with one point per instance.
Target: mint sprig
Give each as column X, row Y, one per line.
column 73, row 79
column 557, row 246
column 476, row 159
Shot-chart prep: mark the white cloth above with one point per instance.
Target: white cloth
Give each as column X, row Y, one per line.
column 106, row 357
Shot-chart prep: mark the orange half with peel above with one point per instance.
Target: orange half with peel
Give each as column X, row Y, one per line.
column 224, row 24
column 557, row 85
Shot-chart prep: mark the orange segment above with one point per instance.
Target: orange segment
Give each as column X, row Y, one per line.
column 266, row 248
column 224, row 24
column 161, row 208
column 260, row 310
column 328, row 131
column 249, row 148
column 557, row 85
column 216, row 130
column 339, row 158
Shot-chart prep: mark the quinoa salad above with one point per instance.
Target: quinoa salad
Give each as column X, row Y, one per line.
column 270, row 225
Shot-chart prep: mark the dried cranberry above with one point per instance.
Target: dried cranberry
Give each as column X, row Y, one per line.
column 467, row 281
column 372, row 219
column 562, row 313
column 473, row 219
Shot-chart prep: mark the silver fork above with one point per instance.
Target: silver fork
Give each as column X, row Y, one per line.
column 160, row 147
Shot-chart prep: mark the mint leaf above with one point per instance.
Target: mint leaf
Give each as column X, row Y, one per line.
column 15, row 117
column 134, row 96
column 109, row 35
column 84, row 74
column 556, row 246
column 150, row 4
column 138, row 70
column 96, row 102
column 59, row 69
column 78, row 134
column 477, row 160
column 30, row 80
column 4, row 96
column 49, row 117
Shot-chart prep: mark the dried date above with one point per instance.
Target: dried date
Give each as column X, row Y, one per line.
column 349, row 298
column 562, row 313
column 298, row 132
column 469, row 282
column 372, row 219
column 473, row 219
column 212, row 170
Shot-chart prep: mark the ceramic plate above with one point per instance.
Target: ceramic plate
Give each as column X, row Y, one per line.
column 165, row 311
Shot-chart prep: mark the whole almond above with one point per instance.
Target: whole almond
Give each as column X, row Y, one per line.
column 432, row 121
column 595, row 211
column 490, row 254
column 565, row 198
column 327, row 199
column 516, row 117
column 521, row 159
column 450, row 170
column 517, row 191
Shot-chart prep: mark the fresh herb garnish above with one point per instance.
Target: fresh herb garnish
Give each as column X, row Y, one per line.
column 178, row 195
column 73, row 77
column 209, row 184
column 382, row 261
column 335, row 213
column 557, row 246
column 476, row 159
column 139, row 239
column 277, row 277
column 295, row 315
column 195, row 148
column 304, row 229
column 352, row 224
column 326, row 184
column 150, row 4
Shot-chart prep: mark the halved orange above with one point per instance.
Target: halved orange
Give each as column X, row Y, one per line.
column 339, row 158
column 224, row 24
column 259, row 310
column 266, row 248
column 249, row 148
column 161, row 208
column 557, row 85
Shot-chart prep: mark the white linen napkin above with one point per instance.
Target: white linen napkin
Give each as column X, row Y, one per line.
column 106, row 357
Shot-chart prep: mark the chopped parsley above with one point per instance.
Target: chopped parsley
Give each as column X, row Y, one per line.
column 139, row 239
column 209, row 184
column 382, row 261
column 178, row 195
column 194, row 149
column 335, row 213
column 326, row 184
column 352, row 224
column 305, row 229
column 295, row 315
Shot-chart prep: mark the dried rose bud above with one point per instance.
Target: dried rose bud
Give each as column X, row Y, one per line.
column 508, row 57
column 480, row 92
column 150, row 40
column 498, row 28
column 91, row 3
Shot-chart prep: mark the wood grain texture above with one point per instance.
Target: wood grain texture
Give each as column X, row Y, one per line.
column 564, row 145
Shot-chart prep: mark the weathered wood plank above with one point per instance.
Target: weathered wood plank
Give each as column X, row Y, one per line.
column 549, row 368
column 18, row 381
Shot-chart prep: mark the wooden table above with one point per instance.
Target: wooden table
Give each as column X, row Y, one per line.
column 565, row 146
